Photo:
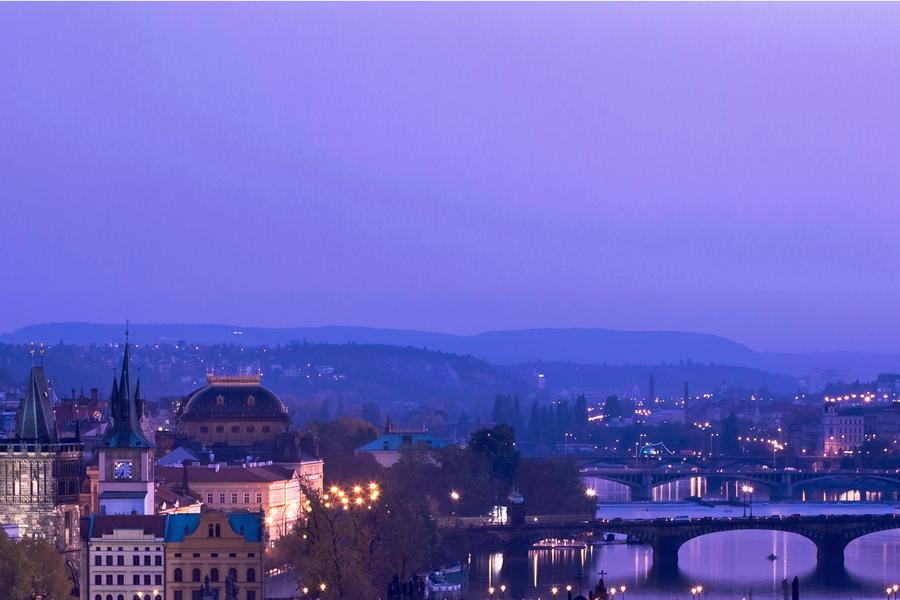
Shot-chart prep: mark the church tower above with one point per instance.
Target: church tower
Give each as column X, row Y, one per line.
column 126, row 457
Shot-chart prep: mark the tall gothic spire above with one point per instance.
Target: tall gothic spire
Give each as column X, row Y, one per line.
column 126, row 429
column 35, row 421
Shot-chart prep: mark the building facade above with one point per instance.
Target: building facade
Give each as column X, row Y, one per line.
column 40, row 475
column 125, row 557
column 213, row 551
column 843, row 432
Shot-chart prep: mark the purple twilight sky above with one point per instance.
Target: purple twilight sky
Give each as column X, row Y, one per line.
column 733, row 169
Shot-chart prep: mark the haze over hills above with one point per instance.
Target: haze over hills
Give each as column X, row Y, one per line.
column 588, row 346
column 574, row 345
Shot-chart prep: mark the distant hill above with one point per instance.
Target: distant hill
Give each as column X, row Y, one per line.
column 587, row 346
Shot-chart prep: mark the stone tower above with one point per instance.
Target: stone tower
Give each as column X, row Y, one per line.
column 126, row 457
column 40, row 474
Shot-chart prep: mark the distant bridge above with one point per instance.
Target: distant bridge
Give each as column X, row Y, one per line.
column 780, row 483
column 830, row 533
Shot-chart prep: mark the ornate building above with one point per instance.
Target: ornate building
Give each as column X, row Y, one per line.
column 40, row 474
column 125, row 472
column 233, row 411
column 214, row 552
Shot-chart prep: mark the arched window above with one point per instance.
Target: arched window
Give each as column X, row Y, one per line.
column 158, row 597
column 195, row 575
column 135, row 597
column 177, row 575
column 214, row 575
column 233, row 574
column 147, row 597
column 120, row 597
column 98, row 597
column 251, row 575
column 210, row 530
column 109, row 597
column 218, row 530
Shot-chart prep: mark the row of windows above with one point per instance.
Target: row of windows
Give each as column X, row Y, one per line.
column 178, row 575
column 135, row 560
column 236, row 429
column 234, row 497
column 135, row 580
column 120, row 549
column 122, row 597
column 216, row 555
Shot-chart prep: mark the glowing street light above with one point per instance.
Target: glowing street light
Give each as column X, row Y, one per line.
column 590, row 493
column 622, row 589
column 748, row 489
column 554, row 590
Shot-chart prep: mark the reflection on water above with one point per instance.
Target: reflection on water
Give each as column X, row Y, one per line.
column 729, row 565
column 717, row 488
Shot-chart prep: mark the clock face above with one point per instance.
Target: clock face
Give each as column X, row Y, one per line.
column 124, row 470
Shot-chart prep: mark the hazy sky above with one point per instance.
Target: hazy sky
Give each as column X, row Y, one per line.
column 733, row 169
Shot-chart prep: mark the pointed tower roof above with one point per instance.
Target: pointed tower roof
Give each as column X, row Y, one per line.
column 126, row 430
column 35, row 421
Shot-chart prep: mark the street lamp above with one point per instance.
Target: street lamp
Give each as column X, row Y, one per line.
column 554, row 590
column 503, row 590
column 622, row 589
column 748, row 489
column 590, row 493
column 491, row 591
column 454, row 498
column 612, row 592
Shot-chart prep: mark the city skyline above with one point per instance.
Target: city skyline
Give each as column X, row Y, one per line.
column 726, row 170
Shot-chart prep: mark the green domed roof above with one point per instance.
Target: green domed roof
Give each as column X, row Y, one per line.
column 233, row 398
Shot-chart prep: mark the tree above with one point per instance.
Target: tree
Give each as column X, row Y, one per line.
column 552, row 487
column 581, row 412
column 32, row 566
column 495, row 450
column 371, row 413
column 612, row 408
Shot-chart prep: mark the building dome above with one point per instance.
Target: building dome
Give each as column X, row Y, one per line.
column 233, row 397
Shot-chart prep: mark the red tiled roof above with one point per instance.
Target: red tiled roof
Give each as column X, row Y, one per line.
column 224, row 474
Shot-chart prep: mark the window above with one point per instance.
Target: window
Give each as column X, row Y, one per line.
column 259, row 497
column 178, row 595
column 147, row 579
column 266, row 429
column 109, row 597
column 98, row 560
column 157, row 560
column 246, row 497
column 251, row 429
column 209, row 530
column 120, row 597
column 135, row 580
column 98, row 579
column 221, row 497
column 109, row 560
column 120, row 560
column 234, row 497
column 109, row 580
column 209, row 498
column 214, row 575
column 218, row 530
column 204, row 429
column 195, row 575
column 146, row 560
column 235, row 429
column 98, row 597
column 220, row 429
column 120, row 580
column 177, row 575
column 251, row 595
column 135, row 560
column 233, row 574
column 157, row 579
column 251, row 575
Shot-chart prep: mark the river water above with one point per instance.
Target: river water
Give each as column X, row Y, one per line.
column 729, row 565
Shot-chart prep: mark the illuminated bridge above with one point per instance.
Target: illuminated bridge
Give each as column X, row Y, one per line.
column 830, row 533
column 781, row 483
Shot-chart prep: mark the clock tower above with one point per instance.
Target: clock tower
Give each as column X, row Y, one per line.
column 126, row 457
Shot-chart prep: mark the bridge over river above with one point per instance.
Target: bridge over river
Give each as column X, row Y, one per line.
column 830, row 533
column 781, row 483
